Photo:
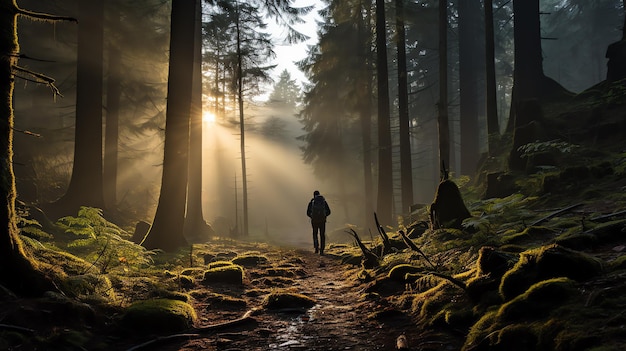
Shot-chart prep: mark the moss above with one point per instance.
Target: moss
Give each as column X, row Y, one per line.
column 286, row 272
column 249, row 260
column 232, row 274
column 158, row 316
column 218, row 300
column 526, row 235
column 480, row 331
column 618, row 263
column 517, row 337
column 399, row 272
column 578, row 241
column 493, row 262
column 544, row 263
column 89, row 284
column 538, row 300
column 285, row 300
column 217, row 264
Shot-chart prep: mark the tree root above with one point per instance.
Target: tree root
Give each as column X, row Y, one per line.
column 200, row 331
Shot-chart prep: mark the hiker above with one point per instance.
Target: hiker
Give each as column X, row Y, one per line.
column 318, row 210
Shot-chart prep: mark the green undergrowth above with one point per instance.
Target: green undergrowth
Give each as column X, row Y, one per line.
column 535, row 270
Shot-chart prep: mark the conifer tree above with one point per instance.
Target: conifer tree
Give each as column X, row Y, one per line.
column 18, row 271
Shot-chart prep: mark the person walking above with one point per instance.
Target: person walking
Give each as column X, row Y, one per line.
column 317, row 211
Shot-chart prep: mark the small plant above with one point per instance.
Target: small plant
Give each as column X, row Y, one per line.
column 101, row 242
column 539, row 147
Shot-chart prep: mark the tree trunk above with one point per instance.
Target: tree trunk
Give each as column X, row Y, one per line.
column 86, row 183
column 442, row 120
column 365, row 103
column 469, row 33
column 406, row 167
column 616, row 53
column 244, row 178
column 385, row 180
column 167, row 231
column 196, row 228
column 111, row 131
column 18, row 272
column 493, row 129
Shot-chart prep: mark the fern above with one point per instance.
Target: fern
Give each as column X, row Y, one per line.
column 537, row 147
column 101, row 242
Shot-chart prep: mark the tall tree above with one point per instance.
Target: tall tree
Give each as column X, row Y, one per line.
column 442, row 120
column 113, row 93
column 86, row 183
column 248, row 41
column 167, row 231
column 491, row 103
column 530, row 83
column 406, row 167
column 364, row 101
column 196, row 228
column 616, row 53
column 469, row 87
column 385, row 178
column 18, row 271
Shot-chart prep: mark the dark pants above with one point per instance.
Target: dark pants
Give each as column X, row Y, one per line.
column 321, row 228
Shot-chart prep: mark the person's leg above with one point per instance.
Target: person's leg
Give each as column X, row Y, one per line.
column 322, row 237
column 315, row 242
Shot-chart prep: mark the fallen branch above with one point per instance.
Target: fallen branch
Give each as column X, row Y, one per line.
column 16, row 328
column 383, row 235
column 608, row 216
column 414, row 247
column 200, row 331
column 555, row 213
column 370, row 259
column 247, row 317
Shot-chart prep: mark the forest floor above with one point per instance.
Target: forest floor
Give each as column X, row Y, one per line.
column 341, row 319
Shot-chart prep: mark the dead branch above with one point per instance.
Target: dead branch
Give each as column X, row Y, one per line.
column 45, row 16
column 16, row 328
column 555, row 213
column 27, row 132
column 370, row 259
column 247, row 317
column 411, row 245
column 37, row 78
column 607, row 216
column 383, row 235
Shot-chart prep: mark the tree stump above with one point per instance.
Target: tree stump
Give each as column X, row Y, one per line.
column 448, row 210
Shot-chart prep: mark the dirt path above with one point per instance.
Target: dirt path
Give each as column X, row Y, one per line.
column 341, row 319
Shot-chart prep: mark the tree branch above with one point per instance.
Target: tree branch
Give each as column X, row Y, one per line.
column 39, row 78
column 45, row 16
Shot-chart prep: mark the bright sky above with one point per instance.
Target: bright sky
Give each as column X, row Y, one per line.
column 287, row 55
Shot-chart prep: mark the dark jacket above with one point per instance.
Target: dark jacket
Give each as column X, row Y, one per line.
column 309, row 209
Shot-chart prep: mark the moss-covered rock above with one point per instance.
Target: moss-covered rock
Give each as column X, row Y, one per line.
column 544, row 263
column 399, row 272
column 249, row 260
column 287, row 300
column 231, row 274
column 517, row 324
column 158, row 316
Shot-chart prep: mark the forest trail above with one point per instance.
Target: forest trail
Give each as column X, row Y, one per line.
column 340, row 320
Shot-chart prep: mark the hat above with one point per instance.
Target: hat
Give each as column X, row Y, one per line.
column 316, row 192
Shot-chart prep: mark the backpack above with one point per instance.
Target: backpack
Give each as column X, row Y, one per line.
column 318, row 209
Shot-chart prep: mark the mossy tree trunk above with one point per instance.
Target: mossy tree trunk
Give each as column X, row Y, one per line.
column 18, row 272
